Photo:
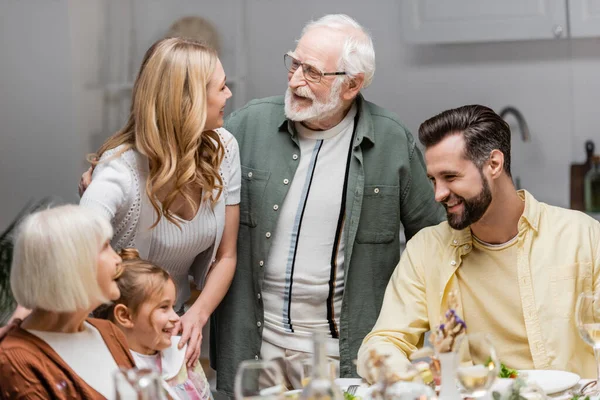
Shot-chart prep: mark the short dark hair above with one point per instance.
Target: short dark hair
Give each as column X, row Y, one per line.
column 482, row 128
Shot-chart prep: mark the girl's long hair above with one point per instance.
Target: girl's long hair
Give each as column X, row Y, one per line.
column 166, row 124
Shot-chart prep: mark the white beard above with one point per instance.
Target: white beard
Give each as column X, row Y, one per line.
column 318, row 110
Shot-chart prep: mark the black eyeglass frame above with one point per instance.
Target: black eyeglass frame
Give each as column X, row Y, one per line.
column 305, row 67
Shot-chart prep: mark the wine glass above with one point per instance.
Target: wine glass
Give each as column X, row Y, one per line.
column 307, row 370
column 587, row 317
column 408, row 385
column 478, row 365
column 259, row 379
column 137, row 384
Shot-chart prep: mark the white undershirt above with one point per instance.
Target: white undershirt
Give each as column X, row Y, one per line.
column 302, row 291
column 175, row 248
column 86, row 353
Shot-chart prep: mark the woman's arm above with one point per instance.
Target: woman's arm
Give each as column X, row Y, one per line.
column 110, row 187
column 217, row 283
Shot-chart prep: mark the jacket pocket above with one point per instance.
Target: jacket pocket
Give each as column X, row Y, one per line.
column 254, row 183
column 380, row 214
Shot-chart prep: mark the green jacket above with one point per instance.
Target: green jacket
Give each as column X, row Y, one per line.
column 387, row 186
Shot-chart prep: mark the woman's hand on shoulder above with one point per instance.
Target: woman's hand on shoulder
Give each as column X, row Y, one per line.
column 84, row 182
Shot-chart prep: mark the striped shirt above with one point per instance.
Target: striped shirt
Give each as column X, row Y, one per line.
column 304, row 273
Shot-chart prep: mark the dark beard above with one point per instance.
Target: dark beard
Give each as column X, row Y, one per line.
column 473, row 209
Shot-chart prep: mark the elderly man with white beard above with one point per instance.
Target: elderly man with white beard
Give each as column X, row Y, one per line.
column 328, row 179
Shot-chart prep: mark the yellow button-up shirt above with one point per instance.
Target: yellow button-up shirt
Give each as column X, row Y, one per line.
column 558, row 257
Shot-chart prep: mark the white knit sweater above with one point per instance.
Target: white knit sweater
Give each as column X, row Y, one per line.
column 118, row 191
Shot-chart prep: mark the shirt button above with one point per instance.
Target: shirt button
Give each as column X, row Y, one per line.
column 453, row 263
column 467, row 247
column 268, row 234
column 275, row 207
column 261, row 263
column 256, row 357
column 286, row 181
column 258, row 296
column 295, row 156
column 376, row 190
column 455, row 241
column 249, row 174
column 258, row 324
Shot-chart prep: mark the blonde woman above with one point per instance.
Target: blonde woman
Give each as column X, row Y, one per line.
column 63, row 268
column 169, row 181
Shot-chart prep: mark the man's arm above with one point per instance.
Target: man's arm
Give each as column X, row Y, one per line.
column 403, row 319
column 418, row 208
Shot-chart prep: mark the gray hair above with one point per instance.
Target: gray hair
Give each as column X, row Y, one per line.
column 55, row 259
column 358, row 54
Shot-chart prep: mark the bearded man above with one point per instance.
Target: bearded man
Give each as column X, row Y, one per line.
column 327, row 180
column 515, row 265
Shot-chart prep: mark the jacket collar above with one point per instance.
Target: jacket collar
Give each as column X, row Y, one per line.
column 529, row 219
column 364, row 123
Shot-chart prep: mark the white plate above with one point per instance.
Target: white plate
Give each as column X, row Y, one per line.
column 502, row 384
column 552, row 381
column 292, row 393
column 343, row 384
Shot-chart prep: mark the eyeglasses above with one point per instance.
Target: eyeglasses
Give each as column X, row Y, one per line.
column 311, row 73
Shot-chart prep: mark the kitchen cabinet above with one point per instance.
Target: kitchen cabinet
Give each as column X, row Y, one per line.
column 584, row 18
column 463, row 21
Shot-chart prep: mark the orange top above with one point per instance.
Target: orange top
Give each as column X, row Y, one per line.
column 31, row 369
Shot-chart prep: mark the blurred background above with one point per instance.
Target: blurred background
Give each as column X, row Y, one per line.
column 67, row 66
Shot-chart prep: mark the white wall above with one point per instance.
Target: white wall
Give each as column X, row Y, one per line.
column 53, row 111
column 40, row 152
column 556, row 84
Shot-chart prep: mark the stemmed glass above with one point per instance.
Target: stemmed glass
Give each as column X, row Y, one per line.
column 307, row 370
column 587, row 317
column 259, row 380
column 478, row 365
column 138, row 384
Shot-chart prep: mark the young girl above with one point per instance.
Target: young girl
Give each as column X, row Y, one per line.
column 145, row 314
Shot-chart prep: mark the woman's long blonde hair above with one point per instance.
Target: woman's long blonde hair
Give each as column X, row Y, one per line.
column 166, row 124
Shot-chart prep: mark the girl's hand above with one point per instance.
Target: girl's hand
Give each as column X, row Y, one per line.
column 190, row 326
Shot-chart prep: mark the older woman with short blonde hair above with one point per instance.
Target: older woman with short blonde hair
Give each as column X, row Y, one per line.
column 63, row 268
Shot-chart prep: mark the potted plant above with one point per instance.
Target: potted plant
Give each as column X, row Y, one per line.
column 7, row 301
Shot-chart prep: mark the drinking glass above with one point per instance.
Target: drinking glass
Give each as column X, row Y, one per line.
column 587, row 318
column 307, row 370
column 478, row 365
column 138, row 384
column 259, row 380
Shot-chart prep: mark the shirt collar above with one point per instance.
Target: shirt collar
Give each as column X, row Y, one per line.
column 530, row 218
column 531, row 214
column 364, row 124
